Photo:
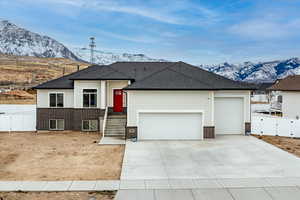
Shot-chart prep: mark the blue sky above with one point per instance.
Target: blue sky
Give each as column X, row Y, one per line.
column 195, row 31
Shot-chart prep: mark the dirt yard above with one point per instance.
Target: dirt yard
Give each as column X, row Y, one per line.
column 57, row 195
column 58, row 156
column 288, row 144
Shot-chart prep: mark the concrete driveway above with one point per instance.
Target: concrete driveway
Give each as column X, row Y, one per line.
column 224, row 157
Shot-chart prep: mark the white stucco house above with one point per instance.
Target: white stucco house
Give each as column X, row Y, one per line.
column 146, row 100
column 289, row 88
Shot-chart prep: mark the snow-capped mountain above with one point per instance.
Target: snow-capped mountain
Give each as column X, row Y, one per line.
column 257, row 72
column 105, row 58
column 21, row 42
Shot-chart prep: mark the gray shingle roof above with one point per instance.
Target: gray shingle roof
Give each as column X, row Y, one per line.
column 150, row 76
column 65, row 82
column 290, row 83
column 181, row 75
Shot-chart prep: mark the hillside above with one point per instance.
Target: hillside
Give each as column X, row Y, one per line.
column 27, row 71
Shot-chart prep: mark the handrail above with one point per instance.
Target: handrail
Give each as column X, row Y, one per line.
column 104, row 121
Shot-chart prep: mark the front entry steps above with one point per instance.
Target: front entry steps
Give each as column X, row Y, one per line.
column 114, row 132
column 115, row 126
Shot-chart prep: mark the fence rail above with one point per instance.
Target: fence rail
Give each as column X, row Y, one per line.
column 272, row 125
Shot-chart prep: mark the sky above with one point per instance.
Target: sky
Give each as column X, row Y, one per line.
column 194, row 31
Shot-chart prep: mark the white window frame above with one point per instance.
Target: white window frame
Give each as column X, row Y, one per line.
column 56, row 129
column 56, row 99
column 89, row 120
column 90, row 97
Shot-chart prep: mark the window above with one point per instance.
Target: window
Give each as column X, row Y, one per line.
column 279, row 98
column 56, row 100
column 89, row 125
column 57, row 124
column 89, row 98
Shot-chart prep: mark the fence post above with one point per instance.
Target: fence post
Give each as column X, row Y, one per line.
column 276, row 128
column 291, row 128
column 10, row 119
column 261, row 126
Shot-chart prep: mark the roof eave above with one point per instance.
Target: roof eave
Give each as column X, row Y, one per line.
column 52, row 88
column 188, row 89
column 104, row 79
column 287, row 90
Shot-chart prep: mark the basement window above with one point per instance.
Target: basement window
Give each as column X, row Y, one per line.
column 56, row 100
column 90, row 125
column 89, row 98
column 57, row 124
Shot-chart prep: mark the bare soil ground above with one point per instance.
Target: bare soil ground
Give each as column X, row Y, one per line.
column 58, row 156
column 291, row 145
column 57, row 195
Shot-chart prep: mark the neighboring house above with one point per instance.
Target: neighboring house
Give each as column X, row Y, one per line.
column 261, row 94
column 290, row 95
column 158, row 100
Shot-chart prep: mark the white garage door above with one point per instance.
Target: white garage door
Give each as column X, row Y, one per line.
column 170, row 126
column 229, row 116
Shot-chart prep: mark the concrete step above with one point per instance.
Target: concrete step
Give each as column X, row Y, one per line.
column 116, row 120
column 117, row 116
column 115, row 130
column 116, row 135
column 116, row 123
column 115, row 126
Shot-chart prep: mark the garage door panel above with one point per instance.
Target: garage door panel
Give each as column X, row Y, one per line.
column 229, row 115
column 170, row 126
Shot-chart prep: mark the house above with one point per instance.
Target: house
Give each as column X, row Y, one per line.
column 289, row 88
column 261, row 94
column 147, row 100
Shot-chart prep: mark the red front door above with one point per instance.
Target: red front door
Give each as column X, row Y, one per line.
column 118, row 100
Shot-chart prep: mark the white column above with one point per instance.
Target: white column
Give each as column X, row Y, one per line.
column 212, row 101
column 103, row 95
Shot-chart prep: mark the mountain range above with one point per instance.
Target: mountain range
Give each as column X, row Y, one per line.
column 257, row 72
column 105, row 58
column 18, row 41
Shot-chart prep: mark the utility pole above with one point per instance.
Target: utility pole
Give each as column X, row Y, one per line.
column 92, row 48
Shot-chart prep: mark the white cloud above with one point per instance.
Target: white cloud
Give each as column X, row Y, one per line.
column 261, row 29
column 165, row 11
column 139, row 39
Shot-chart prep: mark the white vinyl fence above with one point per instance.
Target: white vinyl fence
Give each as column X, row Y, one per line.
column 272, row 125
column 17, row 117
